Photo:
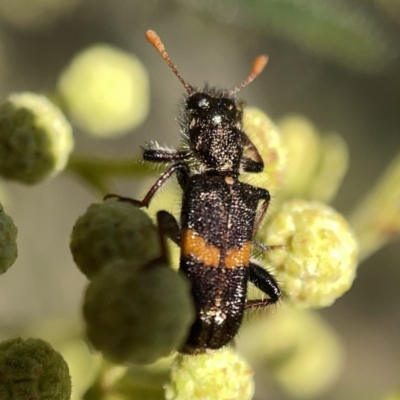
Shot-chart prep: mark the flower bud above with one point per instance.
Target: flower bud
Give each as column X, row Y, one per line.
column 222, row 374
column 35, row 138
column 8, row 241
column 316, row 164
column 138, row 316
column 105, row 90
column 318, row 263
column 113, row 230
column 267, row 139
column 32, row 369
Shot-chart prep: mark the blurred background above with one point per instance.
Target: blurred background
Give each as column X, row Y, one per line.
column 335, row 62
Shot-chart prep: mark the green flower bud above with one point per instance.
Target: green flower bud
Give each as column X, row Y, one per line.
column 137, row 316
column 332, row 167
column 113, row 230
column 267, row 139
column 35, row 138
column 8, row 241
column 302, row 142
column 318, row 263
column 32, row 369
column 105, row 90
column 220, row 375
column 322, row 160
column 302, row 350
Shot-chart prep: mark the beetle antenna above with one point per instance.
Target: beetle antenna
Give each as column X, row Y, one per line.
column 156, row 42
column 258, row 65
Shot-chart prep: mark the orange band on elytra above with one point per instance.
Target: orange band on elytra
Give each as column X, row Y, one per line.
column 193, row 244
column 238, row 257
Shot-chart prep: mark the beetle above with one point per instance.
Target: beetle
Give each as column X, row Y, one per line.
column 219, row 214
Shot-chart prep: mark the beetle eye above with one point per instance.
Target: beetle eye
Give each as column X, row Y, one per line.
column 203, row 103
column 198, row 101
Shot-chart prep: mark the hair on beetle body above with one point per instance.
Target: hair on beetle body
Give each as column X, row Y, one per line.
column 219, row 214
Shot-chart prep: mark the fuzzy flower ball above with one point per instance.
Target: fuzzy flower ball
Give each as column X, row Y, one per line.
column 105, row 90
column 318, row 263
column 137, row 315
column 8, row 241
column 222, row 374
column 32, row 369
column 35, row 138
column 113, row 230
column 267, row 139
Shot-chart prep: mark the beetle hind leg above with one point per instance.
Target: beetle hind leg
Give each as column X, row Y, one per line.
column 264, row 281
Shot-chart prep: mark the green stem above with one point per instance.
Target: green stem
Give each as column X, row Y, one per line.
column 97, row 171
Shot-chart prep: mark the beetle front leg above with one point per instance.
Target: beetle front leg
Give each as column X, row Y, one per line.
column 181, row 169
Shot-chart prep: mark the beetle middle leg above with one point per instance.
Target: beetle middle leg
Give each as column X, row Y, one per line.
column 167, row 227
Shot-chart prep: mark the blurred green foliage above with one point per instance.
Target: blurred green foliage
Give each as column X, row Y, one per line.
column 347, row 32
